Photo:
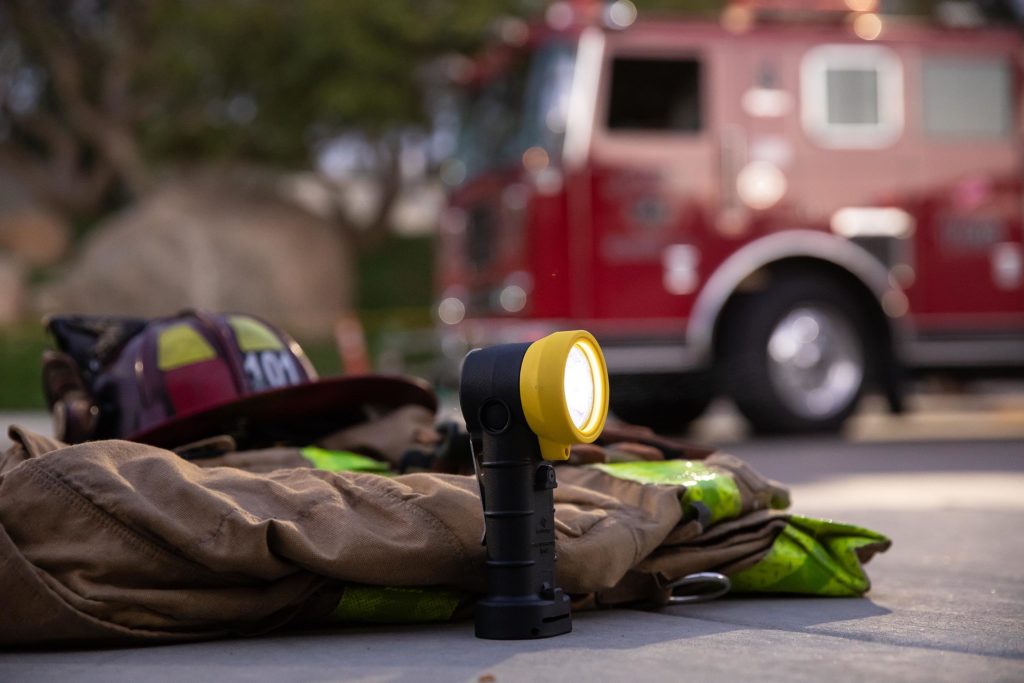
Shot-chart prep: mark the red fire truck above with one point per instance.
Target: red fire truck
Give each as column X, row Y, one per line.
column 788, row 213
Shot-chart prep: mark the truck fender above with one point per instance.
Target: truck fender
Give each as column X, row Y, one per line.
column 796, row 243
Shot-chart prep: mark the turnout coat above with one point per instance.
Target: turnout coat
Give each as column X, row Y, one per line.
column 115, row 541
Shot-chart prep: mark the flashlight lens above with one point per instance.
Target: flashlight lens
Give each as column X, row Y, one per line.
column 579, row 386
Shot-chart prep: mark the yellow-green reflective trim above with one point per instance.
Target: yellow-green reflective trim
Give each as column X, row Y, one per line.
column 711, row 495
column 342, row 461
column 180, row 345
column 811, row 556
column 252, row 335
column 389, row 605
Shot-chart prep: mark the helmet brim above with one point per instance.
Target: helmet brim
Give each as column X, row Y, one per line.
column 296, row 416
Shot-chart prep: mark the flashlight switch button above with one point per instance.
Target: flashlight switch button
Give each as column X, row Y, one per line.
column 544, row 478
column 494, row 416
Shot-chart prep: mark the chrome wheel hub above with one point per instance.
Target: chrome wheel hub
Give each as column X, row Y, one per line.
column 815, row 362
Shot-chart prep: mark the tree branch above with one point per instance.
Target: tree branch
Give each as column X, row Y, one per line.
column 369, row 234
column 70, row 190
column 45, row 129
column 389, row 183
column 111, row 137
column 116, row 95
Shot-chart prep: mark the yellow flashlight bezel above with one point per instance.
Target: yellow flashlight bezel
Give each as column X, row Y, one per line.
column 542, row 392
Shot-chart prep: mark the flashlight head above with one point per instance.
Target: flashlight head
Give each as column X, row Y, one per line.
column 563, row 386
column 555, row 388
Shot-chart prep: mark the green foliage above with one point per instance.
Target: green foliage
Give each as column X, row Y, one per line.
column 323, row 354
column 395, row 284
column 21, row 349
column 264, row 80
column 398, row 274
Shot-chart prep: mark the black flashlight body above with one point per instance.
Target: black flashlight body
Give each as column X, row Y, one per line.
column 523, row 600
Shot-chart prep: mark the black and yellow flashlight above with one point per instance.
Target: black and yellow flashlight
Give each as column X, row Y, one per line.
column 526, row 404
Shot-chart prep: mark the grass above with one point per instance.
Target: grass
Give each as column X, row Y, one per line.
column 397, row 275
column 21, row 348
column 378, row 326
column 395, row 284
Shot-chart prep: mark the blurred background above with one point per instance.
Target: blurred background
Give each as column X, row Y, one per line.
column 777, row 216
column 298, row 160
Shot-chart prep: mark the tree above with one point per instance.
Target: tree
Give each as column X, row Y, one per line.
column 67, row 102
column 96, row 95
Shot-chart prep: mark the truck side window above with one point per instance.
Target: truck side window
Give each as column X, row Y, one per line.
column 967, row 97
column 852, row 96
column 490, row 119
column 655, row 95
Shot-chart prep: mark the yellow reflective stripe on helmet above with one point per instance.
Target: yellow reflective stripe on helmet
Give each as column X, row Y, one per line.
column 180, row 345
column 252, row 335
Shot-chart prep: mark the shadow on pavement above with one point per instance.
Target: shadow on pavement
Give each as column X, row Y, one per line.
column 453, row 646
column 781, row 612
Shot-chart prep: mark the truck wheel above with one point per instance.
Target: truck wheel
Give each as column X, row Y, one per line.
column 665, row 403
column 796, row 356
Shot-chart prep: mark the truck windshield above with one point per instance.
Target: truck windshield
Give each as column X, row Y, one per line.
column 524, row 106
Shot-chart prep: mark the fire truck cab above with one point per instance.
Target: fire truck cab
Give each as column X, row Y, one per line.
column 786, row 213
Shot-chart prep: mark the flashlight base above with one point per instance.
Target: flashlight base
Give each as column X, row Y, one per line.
column 523, row 619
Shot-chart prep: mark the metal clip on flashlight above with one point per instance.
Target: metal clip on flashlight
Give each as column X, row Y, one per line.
column 527, row 404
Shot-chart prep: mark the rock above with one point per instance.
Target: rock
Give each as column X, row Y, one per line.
column 37, row 237
column 12, row 289
column 214, row 245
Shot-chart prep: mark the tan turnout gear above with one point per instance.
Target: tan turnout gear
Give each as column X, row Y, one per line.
column 115, row 541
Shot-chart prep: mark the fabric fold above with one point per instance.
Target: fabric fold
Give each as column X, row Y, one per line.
column 115, row 541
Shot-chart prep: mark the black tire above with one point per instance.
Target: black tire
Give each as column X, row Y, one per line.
column 769, row 343
column 667, row 403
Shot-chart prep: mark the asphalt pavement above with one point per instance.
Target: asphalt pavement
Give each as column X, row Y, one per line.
column 947, row 601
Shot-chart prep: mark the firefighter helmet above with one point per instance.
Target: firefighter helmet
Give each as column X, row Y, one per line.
column 171, row 381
